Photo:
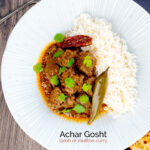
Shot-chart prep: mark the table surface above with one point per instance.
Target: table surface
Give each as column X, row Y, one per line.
column 11, row 136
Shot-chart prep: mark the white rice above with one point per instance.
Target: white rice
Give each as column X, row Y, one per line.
column 110, row 50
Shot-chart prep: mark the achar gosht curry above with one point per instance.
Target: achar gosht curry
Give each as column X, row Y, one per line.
column 67, row 78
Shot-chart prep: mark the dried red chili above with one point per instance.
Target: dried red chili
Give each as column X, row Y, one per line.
column 75, row 41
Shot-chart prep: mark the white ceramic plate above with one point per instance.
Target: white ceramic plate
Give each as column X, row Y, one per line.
column 34, row 31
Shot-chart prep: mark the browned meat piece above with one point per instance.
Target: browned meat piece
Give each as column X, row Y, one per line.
column 51, row 68
column 45, row 84
column 49, row 54
column 70, row 102
column 58, row 53
column 52, row 50
column 86, row 105
column 63, row 59
column 86, row 63
column 59, row 105
column 54, row 101
column 71, row 81
column 90, row 81
column 75, row 41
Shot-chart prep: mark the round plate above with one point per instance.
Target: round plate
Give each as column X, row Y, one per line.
column 33, row 32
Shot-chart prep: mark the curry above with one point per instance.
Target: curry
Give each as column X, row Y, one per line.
column 67, row 78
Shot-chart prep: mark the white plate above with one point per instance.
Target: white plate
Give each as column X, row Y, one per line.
column 34, row 31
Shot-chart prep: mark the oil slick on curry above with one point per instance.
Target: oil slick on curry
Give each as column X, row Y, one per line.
column 67, row 79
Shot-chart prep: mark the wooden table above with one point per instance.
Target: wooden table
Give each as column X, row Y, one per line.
column 11, row 136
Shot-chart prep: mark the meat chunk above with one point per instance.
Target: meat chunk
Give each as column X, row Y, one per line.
column 49, row 54
column 71, row 81
column 51, row 68
column 52, row 53
column 86, row 105
column 45, row 84
column 52, row 72
column 54, row 101
column 86, row 63
column 58, row 53
column 52, row 50
column 89, row 82
column 70, row 102
column 59, row 105
column 63, row 59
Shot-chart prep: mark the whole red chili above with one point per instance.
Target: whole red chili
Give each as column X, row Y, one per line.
column 75, row 41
